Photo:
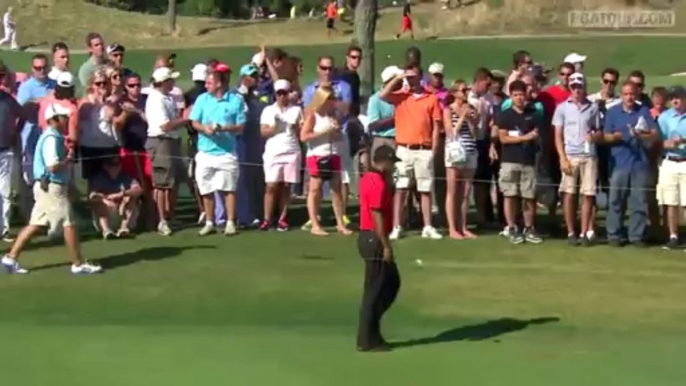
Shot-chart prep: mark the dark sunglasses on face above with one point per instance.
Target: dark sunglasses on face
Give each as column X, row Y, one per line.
column 325, row 68
column 609, row 81
column 354, row 57
column 99, row 84
column 133, row 85
column 281, row 93
column 39, row 68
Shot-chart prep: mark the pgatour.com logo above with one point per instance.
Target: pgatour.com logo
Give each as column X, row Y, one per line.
column 621, row 19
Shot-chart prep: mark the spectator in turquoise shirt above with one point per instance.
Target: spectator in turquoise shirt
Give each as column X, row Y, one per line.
column 381, row 114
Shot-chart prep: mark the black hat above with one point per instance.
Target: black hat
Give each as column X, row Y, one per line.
column 115, row 47
column 677, row 92
column 385, row 153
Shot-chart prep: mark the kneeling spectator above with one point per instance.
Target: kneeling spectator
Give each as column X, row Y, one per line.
column 114, row 197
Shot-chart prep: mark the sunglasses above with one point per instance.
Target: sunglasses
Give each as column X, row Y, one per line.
column 609, row 81
column 99, row 84
column 281, row 93
column 117, row 54
column 354, row 57
column 115, row 76
column 133, row 85
column 576, row 87
column 325, row 68
column 39, row 68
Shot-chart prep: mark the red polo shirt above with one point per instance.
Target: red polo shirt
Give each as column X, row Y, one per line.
column 375, row 194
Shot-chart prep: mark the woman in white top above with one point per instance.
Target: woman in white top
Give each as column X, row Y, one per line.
column 280, row 124
column 322, row 133
column 99, row 123
column 461, row 122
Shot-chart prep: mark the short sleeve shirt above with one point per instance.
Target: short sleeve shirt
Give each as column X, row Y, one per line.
column 673, row 125
column 518, row 124
column 630, row 152
column 285, row 141
column 576, row 122
column 160, row 109
column 375, row 194
column 210, row 110
column 414, row 117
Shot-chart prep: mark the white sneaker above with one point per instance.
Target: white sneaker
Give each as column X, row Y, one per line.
column 207, row 229
column 12, row 266
column 590, row 235
column 202, row 218
column 230, row 228
column 163, row 229
column 505, row 232
column 396, row 233
column 85, row 268
column 430, row 232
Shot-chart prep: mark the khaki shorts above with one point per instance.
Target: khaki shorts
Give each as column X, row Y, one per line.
column 168, row 168
column 52, row 208
column 584, row 170
column 415, row 165
column 671, row 183
column 517, row 180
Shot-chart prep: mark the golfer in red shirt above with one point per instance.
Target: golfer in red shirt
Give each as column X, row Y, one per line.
column 382, row 279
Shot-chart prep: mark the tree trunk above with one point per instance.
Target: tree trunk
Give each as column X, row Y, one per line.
column 365, row 27
column 171, row 13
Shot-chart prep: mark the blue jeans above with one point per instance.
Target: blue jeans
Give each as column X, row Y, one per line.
column 219, row 210
column 627, row 185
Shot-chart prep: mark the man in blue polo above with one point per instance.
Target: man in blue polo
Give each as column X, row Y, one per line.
column 630, row 131
column 30, row 92
column 671, row 185
column 218, row 115
column 343, row 92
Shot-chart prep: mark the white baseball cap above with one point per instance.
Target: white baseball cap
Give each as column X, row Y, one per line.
column 574, row 58
column 577, row 78
column 258, row 59
column 65, row 79
column 55, row 110
column 164, row 73
column 199, row 72
column 390, row 72
column 436, row 68
column 282, row 85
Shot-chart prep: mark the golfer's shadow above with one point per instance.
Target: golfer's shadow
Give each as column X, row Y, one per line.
column 477, row 332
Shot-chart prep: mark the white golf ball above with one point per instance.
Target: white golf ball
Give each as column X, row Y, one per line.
column 419, row 262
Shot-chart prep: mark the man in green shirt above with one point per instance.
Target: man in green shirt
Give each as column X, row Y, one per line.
column 97, row 58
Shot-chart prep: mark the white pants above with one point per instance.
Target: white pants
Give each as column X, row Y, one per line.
column 10, row 37
column 6, row 161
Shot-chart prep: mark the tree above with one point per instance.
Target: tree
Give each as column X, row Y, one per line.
column 171, row 12
column 366, row 13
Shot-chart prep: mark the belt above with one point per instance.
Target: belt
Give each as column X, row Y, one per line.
column 416, row 147
column 675, row 158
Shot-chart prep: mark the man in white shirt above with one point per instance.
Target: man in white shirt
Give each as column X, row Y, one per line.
column 10, row 30
column 164, row 145
column 60, row 60
column 280, row 124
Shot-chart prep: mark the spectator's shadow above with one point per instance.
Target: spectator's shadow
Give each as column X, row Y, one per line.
column 128, row 258
column 477, row 332
column 146, row 254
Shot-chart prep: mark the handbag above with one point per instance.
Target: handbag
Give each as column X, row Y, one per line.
column 325, row 165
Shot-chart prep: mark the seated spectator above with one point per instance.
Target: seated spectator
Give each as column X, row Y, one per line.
column 114, row 196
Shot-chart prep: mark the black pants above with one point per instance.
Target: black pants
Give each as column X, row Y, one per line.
column 381, row 285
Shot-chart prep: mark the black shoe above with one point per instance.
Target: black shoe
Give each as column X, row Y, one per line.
column 572, row 240
column 530, row 236
column 586, row 242
column 381, row 347
column 516, row 237
column 673, row 243
column 616, row 243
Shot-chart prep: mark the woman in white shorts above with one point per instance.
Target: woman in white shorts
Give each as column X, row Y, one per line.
column 461, row 125
column 280, row 124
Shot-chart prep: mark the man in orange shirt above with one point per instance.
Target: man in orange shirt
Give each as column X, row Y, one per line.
column 331, row 15
column 418, row 123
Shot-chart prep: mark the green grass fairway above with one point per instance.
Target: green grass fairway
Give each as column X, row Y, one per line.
column 281, row 308
column 273, row 308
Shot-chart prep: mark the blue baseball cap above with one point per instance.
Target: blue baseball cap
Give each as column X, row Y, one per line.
column 249, row 70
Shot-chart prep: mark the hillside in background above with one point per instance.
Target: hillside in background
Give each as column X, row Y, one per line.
column 41, row 22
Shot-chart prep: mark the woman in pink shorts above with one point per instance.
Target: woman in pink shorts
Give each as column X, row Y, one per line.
column 322, row 133
column 280, row 124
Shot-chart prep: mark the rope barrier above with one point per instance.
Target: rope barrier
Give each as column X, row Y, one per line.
column 353, row 172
